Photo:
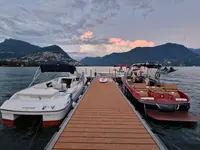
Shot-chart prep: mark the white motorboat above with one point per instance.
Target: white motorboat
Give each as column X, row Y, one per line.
column 51, row 100
column 103, row 80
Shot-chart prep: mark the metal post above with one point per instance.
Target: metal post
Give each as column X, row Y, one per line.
column 71, row 97
column 90, row 72
column 83, row 77
column 86, row 71
column 115, row 75
column 95, row 72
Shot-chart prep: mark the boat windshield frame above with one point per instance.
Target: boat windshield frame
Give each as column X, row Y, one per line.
column 57, row 68
column 149, row 66
column 52, row 68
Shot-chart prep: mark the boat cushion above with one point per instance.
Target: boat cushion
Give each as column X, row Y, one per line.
column 60, row 86
column 169, row 86
column 130, row 82
column 142, row 92
column 174, row 93
column 33, row 92
column 139, row 85
column 157, row 90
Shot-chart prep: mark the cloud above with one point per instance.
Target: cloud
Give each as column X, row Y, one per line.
column 132, row 44
column 86, row 35
column 68, row 22
column 110, row 45
column 114, row 45
column 50, row 21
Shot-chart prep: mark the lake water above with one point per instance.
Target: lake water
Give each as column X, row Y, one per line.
column 175, row 137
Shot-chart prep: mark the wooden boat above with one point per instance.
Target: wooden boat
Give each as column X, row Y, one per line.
column 164, row 102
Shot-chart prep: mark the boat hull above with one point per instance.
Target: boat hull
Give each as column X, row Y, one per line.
column 163, row 107
column 167, row 112
column 49, row 119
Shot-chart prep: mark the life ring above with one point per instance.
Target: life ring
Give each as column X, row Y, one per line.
column 157, row 75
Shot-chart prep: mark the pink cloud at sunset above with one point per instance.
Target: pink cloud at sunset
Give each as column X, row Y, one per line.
column 109, row 45
column 132, row 44
column 86, row 35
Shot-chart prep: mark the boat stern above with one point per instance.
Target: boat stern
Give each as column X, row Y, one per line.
column 176, row 116
column 51, row 112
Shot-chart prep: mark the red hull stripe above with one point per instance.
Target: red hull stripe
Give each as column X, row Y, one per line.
column 10, row 123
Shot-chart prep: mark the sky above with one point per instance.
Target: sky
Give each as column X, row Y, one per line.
column 100, row 27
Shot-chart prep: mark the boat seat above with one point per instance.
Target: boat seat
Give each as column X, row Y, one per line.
column 156, row 90
column 130, row 82
column 175, row 94
column 172, row 89
column 143, row 92
column 139, row 85
column 168, row 87
column 60, row 86
column 141, row 89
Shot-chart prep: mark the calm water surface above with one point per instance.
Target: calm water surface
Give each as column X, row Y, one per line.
column 179, row 137
column 175, row 137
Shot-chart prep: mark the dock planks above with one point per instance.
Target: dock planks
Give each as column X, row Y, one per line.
column 104, row 120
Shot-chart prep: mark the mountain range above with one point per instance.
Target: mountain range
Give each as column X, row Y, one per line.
column 12, row 50
column 176, row 54
column 197, row 51
column 20, row 51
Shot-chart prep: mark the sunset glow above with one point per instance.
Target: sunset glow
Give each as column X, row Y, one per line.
column 86, row 35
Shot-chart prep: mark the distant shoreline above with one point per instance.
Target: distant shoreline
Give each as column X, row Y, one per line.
column 19, row 66
column 89, row 66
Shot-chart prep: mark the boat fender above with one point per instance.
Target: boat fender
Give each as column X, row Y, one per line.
column 80, row 96
column 177, row 107
column 70, row 96
column 73, row 104
column 88, row 83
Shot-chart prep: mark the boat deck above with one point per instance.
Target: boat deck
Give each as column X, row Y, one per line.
column 104, row 119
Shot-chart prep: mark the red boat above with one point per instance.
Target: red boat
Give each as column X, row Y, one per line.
column 163, row 102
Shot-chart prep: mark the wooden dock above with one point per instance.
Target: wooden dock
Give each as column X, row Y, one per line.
column 104, row 120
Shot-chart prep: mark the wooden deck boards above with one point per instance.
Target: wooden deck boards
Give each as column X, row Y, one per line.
column 104, row 121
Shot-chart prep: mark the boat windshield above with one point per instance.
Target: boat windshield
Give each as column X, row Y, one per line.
column 51, row 71
column 43, row 77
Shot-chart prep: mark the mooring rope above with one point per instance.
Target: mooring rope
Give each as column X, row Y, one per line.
column 30, row 146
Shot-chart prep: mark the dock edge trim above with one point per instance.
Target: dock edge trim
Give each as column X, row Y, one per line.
column 57, row 134
column 159, row 143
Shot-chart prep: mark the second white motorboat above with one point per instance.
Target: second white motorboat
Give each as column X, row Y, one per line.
column 51, row 100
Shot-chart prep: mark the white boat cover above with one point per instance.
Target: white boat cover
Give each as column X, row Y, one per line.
column 33, row 92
